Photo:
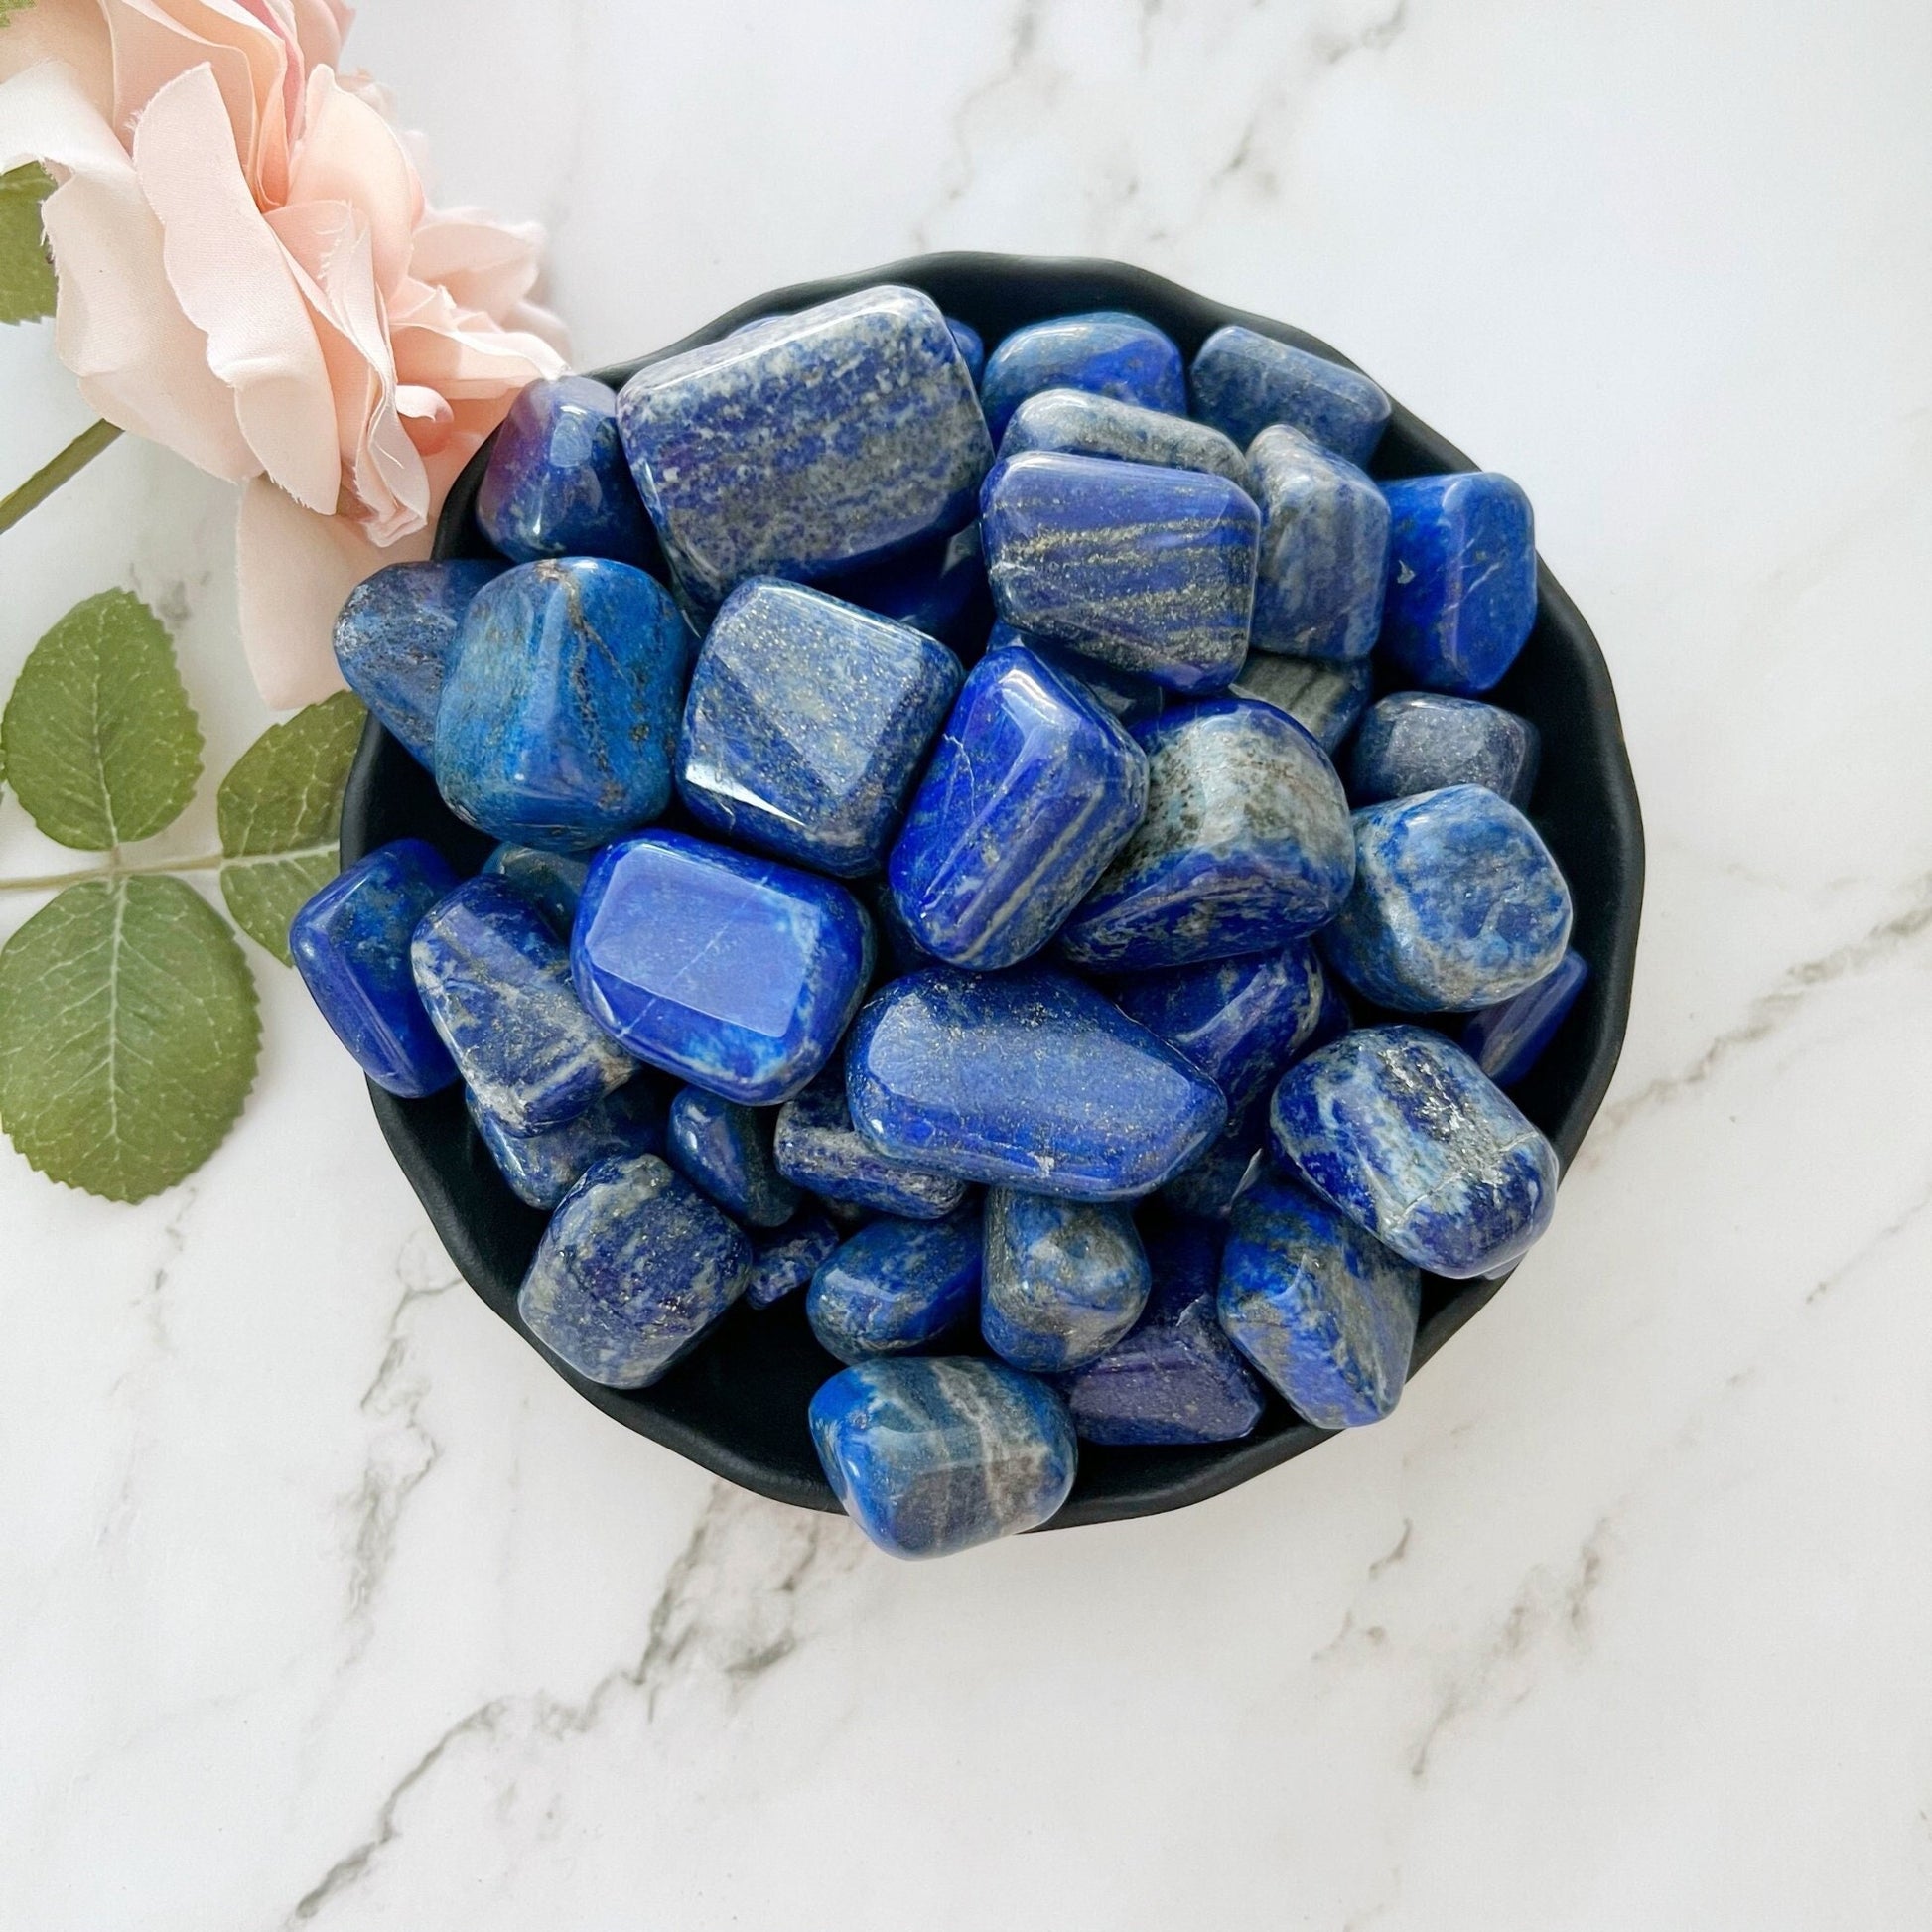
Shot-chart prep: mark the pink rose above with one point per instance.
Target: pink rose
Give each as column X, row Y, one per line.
column 248, row 272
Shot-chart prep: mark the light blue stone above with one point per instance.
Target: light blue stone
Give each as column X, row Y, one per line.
column 1507, row 1040
column 972, row 349
column 1246, row 845
column 1404, row 1133
column 1027, row 1079
column 1128, row 698
column 560, row 709
column 632, row 1270
column 788, row 1257
column 1323, row 698
column 1457, row 904
column 817, row 1146
column 1063, row 1279
column 1148, row 569
column 806, row 725
column 1243, row 382
column 738, row 974
column 1324, row 1312
column 542, row 1168
column 1105, row 352
column 1420, row 741
column 938, row 587
column 1033, row 789
column 551, row 880
column 896, row 1287
column 1088, row 425
column 1325, row 551
column 929, row 1457
column 725, row 1151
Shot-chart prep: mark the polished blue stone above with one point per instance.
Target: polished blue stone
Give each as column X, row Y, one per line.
column 929, row 1457
column 1175, row 1378
column 807, row 444
column 1322, row 697
column 1125, row 696
column 551, row 880
column 1324, row 1311
column 1420, row 741
column 938, row 587
column 1105, row 352
column 1245, row 845
column 785, row 1259
column 1508, row 1039
column 496, row 982
column 1027, row 1079
column 1208, row 1186
column 1063, row 1279
column 557, row 484
column 738, row 974
column 1082, row 424
column 806, row 724
column 817, row 1146
column 560, row 709
column 972, row 349
column 1457, row 904
column 1461, row 597
column 725, row 1151
column 634, row 1268
column 350, row 944
column 1412, row 1140
column 896, row 1287
column 1325, row 550
column 394, row 639
column 1033, row 789
column 542, row 1168
column 1149, row 569
column 1243, row 382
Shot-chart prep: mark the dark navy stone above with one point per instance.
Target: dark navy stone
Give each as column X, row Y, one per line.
column 1404, row 1133
column 738, row 974
column 557, row 484
column 1211, row 1184
column 938, row 587
column 899, row 951
column 1420, row 741
column 632, row 1270
column 560, row 709
column 1457, row 904
column 1149, row 569
column 1508, row 1039
column 1323, row 698
column 806, row 724
column 350, row 944
column 817, row 1146
column 1063, row 1279
column 1461, row 597
column 1106, row 353
column 1088, row 425
column 896, row 1287
column 1242, row 383
column 725, row 1151
column 1124, row 696
column 1324, row 1311
column 1325, row 550
column 1027, row 1079
column 1033, row 789
column 543, row 1167
column 1246, row 844
column 496, row 982
column 972, row 349
column 930, row 1457
column 551, row 880
column 394, row 639
column 788, row 1257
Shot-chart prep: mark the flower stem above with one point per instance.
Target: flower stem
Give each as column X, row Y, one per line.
column 52, row 473
column 51, row 882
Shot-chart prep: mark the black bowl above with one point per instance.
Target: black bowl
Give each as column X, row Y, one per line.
column 737, row 1406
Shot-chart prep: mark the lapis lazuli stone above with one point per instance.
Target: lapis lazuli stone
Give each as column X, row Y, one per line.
column 552, row 881
column 725, row 1151
column 1412, row 1140
column 542, row 1168
column 1323, row 1309
column 632, row 1270
column 1129, row 698
column 1246, row 844
column 1211, row 1183
column 896, row 1287
column 1175, row 1378
column 785, row 1259
column 394, row 639
column 1508, row 1039
column 496, row 982
column 1088, row 425
column 1322, row 697
column 1149, row 569
column 817, row 1146
column 1033, row 789
column 1420, row 741
column 350, row 944
column 1242, row 383
column 557, row 484
column 738, row 974
column 1105, row 352
column 1027, row 1079
column 972, row 349
column 1462, row 596
column 560, row 709
column 1325, row 550
column 938, row 587
column 933, row 1455
column 807, row 722
column 1063, row 1279
column 1457, row 904
column 807, row 444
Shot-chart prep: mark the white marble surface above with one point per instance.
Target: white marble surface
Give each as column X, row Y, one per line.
column 323, row 1603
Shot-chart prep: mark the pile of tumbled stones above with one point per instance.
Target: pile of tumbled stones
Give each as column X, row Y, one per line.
column 927, row 765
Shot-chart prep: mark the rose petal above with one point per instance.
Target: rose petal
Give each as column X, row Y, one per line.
column 349, row 153
column 76, row 36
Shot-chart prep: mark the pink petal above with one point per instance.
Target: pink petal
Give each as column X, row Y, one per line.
column 349, row 153
column 75, row 35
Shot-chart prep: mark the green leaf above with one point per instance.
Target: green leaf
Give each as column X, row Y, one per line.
column 128, row 1035
column 99, row 739
column 280, row 810
column 26, row 273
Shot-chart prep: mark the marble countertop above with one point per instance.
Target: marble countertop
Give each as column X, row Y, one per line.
column 324, row 1603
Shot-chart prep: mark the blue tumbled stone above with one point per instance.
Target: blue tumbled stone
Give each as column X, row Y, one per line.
column 1325, row 550
column 350, row 944
column 1508, row 1039
column 1033, row 789
column 1105, row 352
column 817, row 1146
column 1063, row 1279
column 725, row 1151
column 1323, row 698
column 1208, row 1186
column 972, row 349
column 1088, row 425
column 1123, row 695
column 1246, row 844
column 738, row 974
column 1027, row 1079
column 542, row 1168
column 1420, row 741
column 1462, row 596
column 634, row 1268
column 1457, row 904
column 938, row 587
column 1149, row 569
column 551, row 880
column 930, row 1457
column 1404, row 1133
column 1243, row 382
column 784, row 1260
column 1324, row 1312
column 896, row 1287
